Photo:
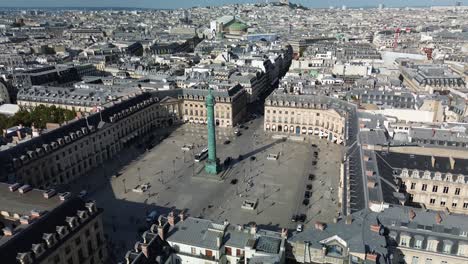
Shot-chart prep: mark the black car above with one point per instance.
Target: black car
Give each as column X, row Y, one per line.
column 234, row 181
column 301, row 218
column 240, row 157
column 294, row 218
column 307, row 194
column 246, row 127
column 305, row 202
column 252, row 158
column 311, row 177
column 309, row 187
column 227, row 142
column 315, row 153
column 314, row 145
column 314, row 162
column 241, row 126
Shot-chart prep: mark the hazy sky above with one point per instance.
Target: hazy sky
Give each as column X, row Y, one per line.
column 190, row 3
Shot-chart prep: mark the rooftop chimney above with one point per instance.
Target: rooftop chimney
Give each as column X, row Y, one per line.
column 161, row 232
column 375, row 228
column 433, row 161
column 171, row 219
column 349, row 219
column 284, row 233
column 7, row 231
column 438, row 218
column 412, row 214
column 372, row 257
column 320, row 226
column 452, row 163
column 182, row 216
column 218, row 241
column 145, row 250
column 253, row 229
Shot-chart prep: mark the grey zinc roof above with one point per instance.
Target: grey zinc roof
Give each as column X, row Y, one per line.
column 237, row 238
column 268, row 244
column 358, row 236
column 195, row 232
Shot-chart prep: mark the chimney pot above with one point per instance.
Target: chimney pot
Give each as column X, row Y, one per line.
column 145, row 250
column 438, row 218
column 161, row 232
column 375, row 228
column 182, row 216
column 349, row 219
column 412, row 214
column 171, row 219
column 284, row 233
column 253, row 229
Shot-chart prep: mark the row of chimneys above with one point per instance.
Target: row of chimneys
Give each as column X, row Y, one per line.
column 51, row 239
column 412, row 215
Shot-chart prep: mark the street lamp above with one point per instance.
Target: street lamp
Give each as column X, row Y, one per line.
column 173, row 166
column 139, row 175
column 125, row 189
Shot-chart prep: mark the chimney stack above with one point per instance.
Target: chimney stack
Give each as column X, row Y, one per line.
column 284, row 233
column 433, row 161
column 412, row 215
column 253, row 229
column 218, row 241
column 145, row 250
column 349, row 219
column 161, row 232
column 438, row 218
column 182, row 216
column 320, row 226
column 375, row 228
column 171, row 219
column 452, row 163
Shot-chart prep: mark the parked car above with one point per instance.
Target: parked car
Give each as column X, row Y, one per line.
column 252, row 158
column 311, row 177
column 299, row 227
column 305, row 202
column 302, row 218
column 234, row 181
column 307, row 194
column 240, row 157
column 309, row 187
column 314, row 162
column 314, row 145
column 294, row 218
column 227, row 142
column 152, row 217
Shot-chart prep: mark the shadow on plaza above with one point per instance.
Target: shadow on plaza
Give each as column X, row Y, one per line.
column 252, row 153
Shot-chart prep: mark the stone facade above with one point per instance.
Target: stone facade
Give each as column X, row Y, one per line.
column 303, row 115
column 66, row 153
column 230, row 107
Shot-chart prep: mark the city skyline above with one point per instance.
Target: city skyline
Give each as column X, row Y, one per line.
column 195, row 3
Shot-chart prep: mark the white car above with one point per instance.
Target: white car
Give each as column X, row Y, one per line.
column 299, row 227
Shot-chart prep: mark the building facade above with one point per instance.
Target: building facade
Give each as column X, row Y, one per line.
column 304, row 115
column 230, row 107
column 64, row 154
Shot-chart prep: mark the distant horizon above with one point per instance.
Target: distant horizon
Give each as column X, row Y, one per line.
column 160, row 4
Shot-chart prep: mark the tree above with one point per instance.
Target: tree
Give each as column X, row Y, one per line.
column 39, row 116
